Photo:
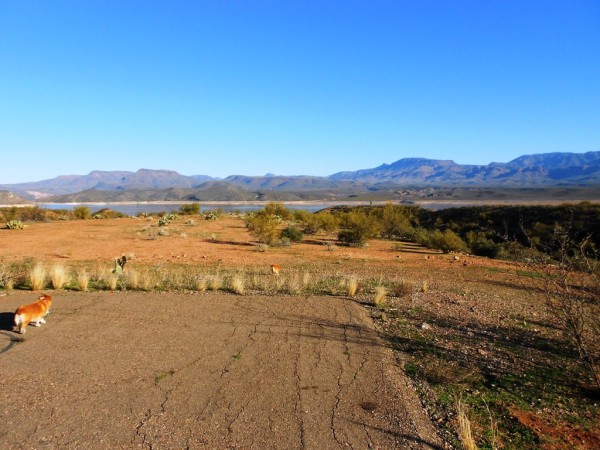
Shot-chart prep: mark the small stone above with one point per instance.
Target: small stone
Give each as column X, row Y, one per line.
column 425, row 326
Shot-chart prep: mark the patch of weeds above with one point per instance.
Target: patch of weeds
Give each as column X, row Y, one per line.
column 238, row 355
column 519, row 390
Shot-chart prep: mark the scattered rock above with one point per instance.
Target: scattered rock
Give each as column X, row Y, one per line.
column 456, row 257
column 425, row 326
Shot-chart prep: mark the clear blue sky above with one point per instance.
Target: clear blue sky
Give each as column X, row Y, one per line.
column 292, row 87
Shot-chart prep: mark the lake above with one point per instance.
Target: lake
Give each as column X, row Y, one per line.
column 132, row 209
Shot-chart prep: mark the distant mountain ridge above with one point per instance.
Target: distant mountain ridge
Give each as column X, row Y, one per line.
column 548, row 169
column 105, row 181
column 540, row 170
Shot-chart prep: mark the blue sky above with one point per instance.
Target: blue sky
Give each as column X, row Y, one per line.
column 292, row 87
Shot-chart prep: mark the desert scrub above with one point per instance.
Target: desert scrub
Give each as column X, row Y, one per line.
column 464, row 427
column 59, row 276
column 292, row 233
column 83, row 279
column 238, row 282
column 147, row 280
column 14, row 225
column 133, row 278
column 401, row 288
column 6, row 277
column 201, row 283
column 352, row 286
column 37, row 276
column 167, row 219
column 163, row 232
column 112, row 281
column 379, row 298
column 294, row 286
column 81, row 212
column 306, row 280
column 215, row 282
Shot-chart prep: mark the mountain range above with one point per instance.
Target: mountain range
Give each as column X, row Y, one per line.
column 528, row 171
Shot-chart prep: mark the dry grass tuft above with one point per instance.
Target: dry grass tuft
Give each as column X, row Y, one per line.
column 464, row 428
column 424, row 287
column 215, row 282
column 294, row 286
column 112, row 281
column 401, row 288
column 83, row 279
column 352, row 286
column 37, row 277
column 147, row 281
column 133, row 278
column 58, row 276
column 380, row 293
column 201, row 284
column 238, row 282
column 306, row 279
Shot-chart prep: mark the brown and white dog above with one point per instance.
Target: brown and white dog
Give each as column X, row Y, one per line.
column 275, row 268
column 33, row 313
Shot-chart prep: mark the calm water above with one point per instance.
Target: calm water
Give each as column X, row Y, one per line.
column 132, row 209
column 136, row 208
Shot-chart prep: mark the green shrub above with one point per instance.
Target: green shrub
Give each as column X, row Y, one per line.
column 394, row 223
column 14, row 225
column 311, row 225
column 264, row 227
column 278, row 209
column 327, row 221
column 292, row 233
column 481, row 245
column 357, row 228
column 107, row 213
column 82, row 212
column 448, row 241
column 190, row 209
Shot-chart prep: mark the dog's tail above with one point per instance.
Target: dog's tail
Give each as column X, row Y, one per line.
column 20, row 322
column 19, row 319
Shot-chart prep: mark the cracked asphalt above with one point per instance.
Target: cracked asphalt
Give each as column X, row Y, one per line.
column 174, row 370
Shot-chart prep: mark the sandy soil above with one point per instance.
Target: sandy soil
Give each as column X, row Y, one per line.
column 152, row 370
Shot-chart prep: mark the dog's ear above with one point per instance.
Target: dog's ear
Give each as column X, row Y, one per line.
column 122, row 261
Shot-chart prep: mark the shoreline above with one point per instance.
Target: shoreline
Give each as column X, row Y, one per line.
column 407, row 202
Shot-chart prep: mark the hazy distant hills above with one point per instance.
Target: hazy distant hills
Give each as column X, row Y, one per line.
column 530, row 171
column 548, row 169
column 8, row 198
column 106, row 181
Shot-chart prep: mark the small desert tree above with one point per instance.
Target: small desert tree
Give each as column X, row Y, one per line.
column 395, row 223
column 327, row 221
column 571, row 291
column 264, row 227
column 277, row 209
column 358, row 227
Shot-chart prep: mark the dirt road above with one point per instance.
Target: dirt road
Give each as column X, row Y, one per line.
column 168, row 370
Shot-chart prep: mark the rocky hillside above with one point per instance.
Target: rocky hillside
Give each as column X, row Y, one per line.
column 8, row 198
